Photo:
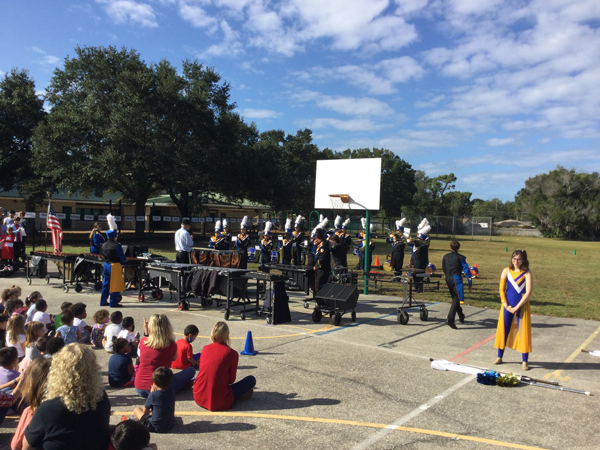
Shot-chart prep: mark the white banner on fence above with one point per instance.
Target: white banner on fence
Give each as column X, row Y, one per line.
column 195, row 220
column 209, row 219
column 75, row 216
column 166, row 218
column 201, row 220
column 140, row 218
column 128, row 218
column 118, row 218
column 30, row 215
column 88, row 217
column 175, row 219
column 156, row 218
column 102, row 218
column 43, row 215
column 61, row 216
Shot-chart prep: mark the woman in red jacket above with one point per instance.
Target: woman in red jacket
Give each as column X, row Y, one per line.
column 214, row 388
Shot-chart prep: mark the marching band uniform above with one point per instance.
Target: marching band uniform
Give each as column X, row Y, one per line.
column 322, row 260
column 286, row 244
column 183, row 242
column 339, row 253
column 113, row 254
column 297, row 237
column 226, row 234
column 18, row 232
column 361, row 246
column 242, row 243
column 453, row 265
column 398, row 245
column 420, row 252
column 312, row 255
column 266, row 245
column 218, row 240
column 345, row 237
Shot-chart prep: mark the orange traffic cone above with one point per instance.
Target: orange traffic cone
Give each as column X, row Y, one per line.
column 377, row 260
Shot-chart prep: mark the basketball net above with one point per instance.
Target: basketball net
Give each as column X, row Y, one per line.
column 338, row 201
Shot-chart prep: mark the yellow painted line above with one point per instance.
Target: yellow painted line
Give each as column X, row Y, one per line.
column 325, row 328
column 558, row 372
column 350, row 423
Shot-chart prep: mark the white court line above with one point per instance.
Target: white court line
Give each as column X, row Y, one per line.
column 411, row 415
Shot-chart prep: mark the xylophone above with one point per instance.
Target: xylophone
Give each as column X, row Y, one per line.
column 38, row 260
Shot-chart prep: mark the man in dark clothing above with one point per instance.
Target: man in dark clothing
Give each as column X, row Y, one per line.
column 453, row 265
column 113, row 271
column 338, row 252
column 420, row 259
column 322, row 259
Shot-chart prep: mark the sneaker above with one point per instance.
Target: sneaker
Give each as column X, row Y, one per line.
column 246, row 396
column 451, row 325
column 497, row 361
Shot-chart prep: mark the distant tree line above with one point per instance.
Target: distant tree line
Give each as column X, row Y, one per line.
column 118, row 124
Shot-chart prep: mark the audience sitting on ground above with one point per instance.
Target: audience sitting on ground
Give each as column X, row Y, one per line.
column 100, row 320
column 185, row 352
column 120, row 365
column 158, row 414
column 16, row 334
column 131, row 435
column 54, row 345
column 68, row 332
column 80, row 313
column 112, row 330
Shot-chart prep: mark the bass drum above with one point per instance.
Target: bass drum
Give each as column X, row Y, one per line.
column 387, row 266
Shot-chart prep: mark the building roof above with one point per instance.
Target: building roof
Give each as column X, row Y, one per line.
column 208, row 200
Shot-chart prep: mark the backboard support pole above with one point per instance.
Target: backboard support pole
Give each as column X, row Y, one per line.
column 366, row 258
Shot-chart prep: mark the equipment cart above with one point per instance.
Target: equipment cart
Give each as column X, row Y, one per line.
column 407, row 294
column 300, row 277
column 335, row 300
column 275, row 307
column 64, row 263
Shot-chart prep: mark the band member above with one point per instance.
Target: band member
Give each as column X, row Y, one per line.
column 297, row 237
column 345, row 237
column 339, row 231
column 242, row 243
column 218, row 240
column 226, row 234
column 312, row 254
column 420, row 252
column 338, row 251
column 322, row 259
column 453, row 265
column 286, row 243
column 112, row 251
column 360, row 248
column 266, row 245
column 96, row 239
column 398, row 244
column 183, row 242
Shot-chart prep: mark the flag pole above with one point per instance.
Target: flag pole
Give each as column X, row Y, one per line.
column 46, row 231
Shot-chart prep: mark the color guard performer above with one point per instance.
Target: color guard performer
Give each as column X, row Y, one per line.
column 218, row 240
column 286, row 243
column 297, row 237
column 112, row 251
column 242, row 243
column 183, row 242
column 266, row 245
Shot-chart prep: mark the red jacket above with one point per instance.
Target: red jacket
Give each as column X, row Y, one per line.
column 218, row 369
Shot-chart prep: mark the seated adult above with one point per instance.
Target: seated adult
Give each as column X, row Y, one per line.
column 75, row 413
column 158, row 349
column 215, row 388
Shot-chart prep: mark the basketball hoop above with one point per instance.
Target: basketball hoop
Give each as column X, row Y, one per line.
column 339, row 200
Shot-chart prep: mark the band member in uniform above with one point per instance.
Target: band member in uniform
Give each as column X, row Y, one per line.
column 339, row 231
column 345, row 237
column 420, row 252
column 218, row 240
column 322, row 259
column 398, row 244
column 112, row 251
column 312, row 254
column 183, row 242
column 297, row 237
column 453, row 265
column 96, row 239
column 266, row 245
column 242, row 243
column 338, row 251
column 360, row 248
column 286, row 243
column 226, row 234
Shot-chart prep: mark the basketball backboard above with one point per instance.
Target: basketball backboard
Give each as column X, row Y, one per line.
column 359, row 179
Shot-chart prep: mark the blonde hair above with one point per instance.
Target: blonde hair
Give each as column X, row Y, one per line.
column 16, row 326
column 160, row 332
column 101, row 315
column 75, row 378
column 32, row 329
column 34, row 382
column 220, row 333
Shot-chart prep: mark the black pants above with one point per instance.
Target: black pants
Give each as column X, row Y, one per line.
column 322, row 277
column 455, row 308
column 182, row 257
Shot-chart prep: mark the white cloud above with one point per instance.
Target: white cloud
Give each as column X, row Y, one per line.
column 350, row 106
column 47, row 59
column 251, row 113
column 196, row 16
column 496, row 142
column 230, row 45
column 130, row 12
column 345, row 125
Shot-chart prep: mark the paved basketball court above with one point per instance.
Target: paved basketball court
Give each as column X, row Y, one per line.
column 369, row 384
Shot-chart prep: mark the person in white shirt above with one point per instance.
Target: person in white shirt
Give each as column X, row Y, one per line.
column 80, row 313
column 183, row 242
column 40, row 315
column 112, row 330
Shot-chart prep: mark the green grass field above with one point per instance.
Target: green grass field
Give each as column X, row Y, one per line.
column 564, row 285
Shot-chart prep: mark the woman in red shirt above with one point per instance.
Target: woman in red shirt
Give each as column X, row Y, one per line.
column 158, row 349
column 214, row 388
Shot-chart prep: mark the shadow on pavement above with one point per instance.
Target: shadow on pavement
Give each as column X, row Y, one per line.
column 206, row 426
column 266, row 401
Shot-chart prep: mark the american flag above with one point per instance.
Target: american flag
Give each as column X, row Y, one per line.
column 53, row 224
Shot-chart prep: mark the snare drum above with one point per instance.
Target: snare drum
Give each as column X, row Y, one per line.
column 251, row 254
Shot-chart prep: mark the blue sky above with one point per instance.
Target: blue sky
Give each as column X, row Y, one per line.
column 494, row 91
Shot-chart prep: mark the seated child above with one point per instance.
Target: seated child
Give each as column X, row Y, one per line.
column 185, row 352
column 35, row 330
column 30, row 302
column 16, row 334
column 120, row 365
column 158, row 414
column 54, row 345
column 40, row 315
column 63, row 307
column 112, row 330
column 128, row 325
column 131, row 435
column 3, row 324
column 68, row 332
column 80, row 313
column 42, row 344
column 101, row 319
column 9, row 364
